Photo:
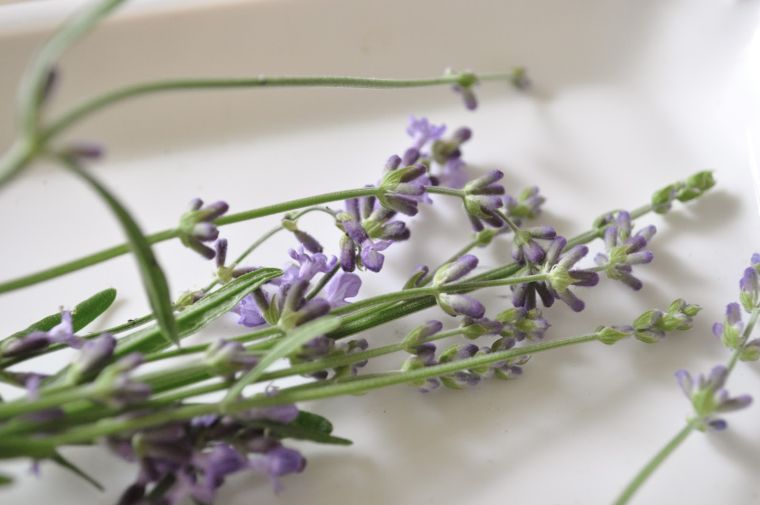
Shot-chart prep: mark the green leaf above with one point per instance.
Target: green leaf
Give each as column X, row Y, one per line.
column 314, row 422
column 82, row 315
column 201, row 313
column 306, row 426
column 153, row 278
column 68, row 465
column 5, row 480
column 291, row 342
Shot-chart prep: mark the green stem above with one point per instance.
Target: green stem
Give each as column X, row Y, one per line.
column 113, row 252
column 305, row 368
column 290, row 395
column 30, row 89
column 654, row 463
column 93, row 105
column 78, row 264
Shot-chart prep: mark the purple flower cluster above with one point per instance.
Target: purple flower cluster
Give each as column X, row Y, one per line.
column 424, row 355
column 708, row 397
column 625, row 250
column 287, row 295
column 561, row 276
column 483, row 198
column 196, row 457
column 369, row 229
column 731, row 329
column 196, row 226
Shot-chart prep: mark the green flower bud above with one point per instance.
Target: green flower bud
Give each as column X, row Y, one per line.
column 610, row 335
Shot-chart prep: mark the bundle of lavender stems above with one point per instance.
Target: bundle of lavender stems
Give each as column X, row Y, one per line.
column 142, row 391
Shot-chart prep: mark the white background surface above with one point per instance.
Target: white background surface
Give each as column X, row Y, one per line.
column 629, row 96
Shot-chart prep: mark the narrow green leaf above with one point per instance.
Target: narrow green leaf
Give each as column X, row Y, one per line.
column 20, row 447
column 82, row 315
column 68, row 465
column 314, row 422
column 301, row 431
column 153, row 277
column 199, row 314
column 5, row 480
column 290, row 343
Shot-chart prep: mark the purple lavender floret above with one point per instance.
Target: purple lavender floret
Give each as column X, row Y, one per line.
column 483, row 198
column 369, row 229
column 625, row 250
column 249, row 312
column 342, row 286
column 527, row 249
column 278, row 462
column 464, row 87
column 93, row 357
column 226, row 273
column 527, row 205
column 305, row 268
column 423, row 132
column 456, row 303
column 749, row 285
column 447, row 153
column 62, row 333
column 708, row 397
column 453, row 174
column 307, row 241
column 196, row 226
column 730, row 330
column 562, row 276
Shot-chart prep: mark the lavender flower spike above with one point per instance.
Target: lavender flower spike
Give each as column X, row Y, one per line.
column 196, row 226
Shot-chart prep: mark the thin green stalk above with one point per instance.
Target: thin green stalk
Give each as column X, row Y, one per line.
column 113, row 252
column 120, row 328
column 306, row 368
column 655, row 463
column 33, row 82
column 94, row 431
column 673, row 444
column 93, row 105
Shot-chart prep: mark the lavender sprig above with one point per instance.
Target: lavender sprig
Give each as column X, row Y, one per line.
column 707, row 394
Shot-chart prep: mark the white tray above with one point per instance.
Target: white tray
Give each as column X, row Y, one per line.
column 629, row 96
